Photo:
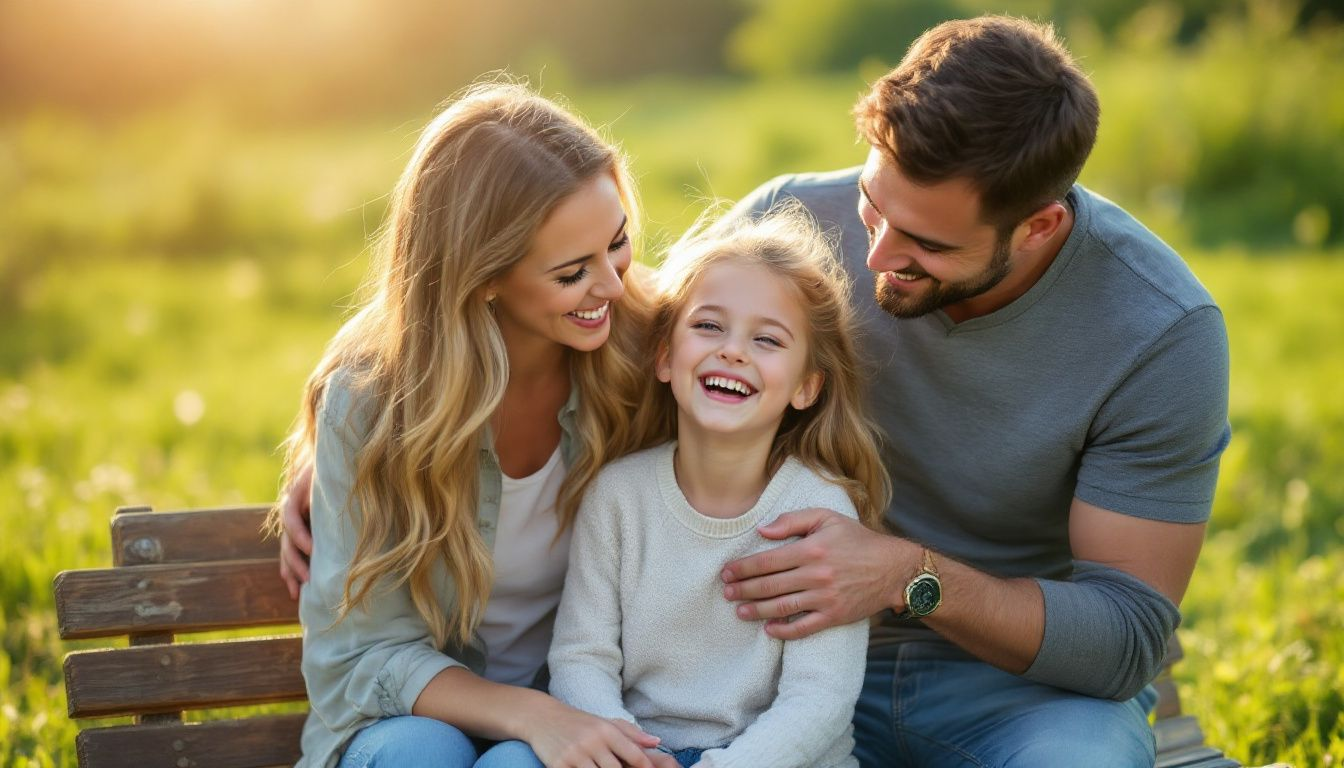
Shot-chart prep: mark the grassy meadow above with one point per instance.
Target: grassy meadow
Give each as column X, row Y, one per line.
column 168, row 280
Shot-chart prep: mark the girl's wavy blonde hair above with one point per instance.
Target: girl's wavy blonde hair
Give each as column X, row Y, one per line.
column 833, row 436
column 426, row 354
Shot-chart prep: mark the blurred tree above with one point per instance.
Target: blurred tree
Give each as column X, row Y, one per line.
column 790, row 37
column 609, row 40
column 787, row 37
column 298, row 58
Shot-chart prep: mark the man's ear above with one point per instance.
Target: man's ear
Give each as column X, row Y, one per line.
column 662, row 364
column 808, row 391
column 1037, row 229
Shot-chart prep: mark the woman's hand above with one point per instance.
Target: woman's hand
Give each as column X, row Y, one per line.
column 296, row 541
column 569, row 738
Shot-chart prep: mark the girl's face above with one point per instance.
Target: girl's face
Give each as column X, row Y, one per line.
column 561, row 291
column 738, row 354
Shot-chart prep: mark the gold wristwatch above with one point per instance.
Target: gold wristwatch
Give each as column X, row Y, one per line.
column 924, row 593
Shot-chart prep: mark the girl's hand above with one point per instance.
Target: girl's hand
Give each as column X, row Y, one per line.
column 296, row 542
column 662, row 759
column 568, row 738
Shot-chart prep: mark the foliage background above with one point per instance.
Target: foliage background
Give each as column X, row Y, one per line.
column 189, row 187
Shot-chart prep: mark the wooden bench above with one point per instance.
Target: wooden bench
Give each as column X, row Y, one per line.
column 197, row 571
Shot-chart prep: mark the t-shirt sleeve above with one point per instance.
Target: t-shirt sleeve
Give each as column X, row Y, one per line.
column 1155, row 443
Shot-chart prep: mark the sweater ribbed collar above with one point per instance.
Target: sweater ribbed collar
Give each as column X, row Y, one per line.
column 715, row 527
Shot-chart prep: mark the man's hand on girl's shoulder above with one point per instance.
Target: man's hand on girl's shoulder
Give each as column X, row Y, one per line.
column 838, row 572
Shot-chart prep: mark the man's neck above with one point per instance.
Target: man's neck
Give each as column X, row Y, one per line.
column 1025, row 274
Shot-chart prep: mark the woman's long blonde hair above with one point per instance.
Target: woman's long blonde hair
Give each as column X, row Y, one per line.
column 834, row 435
column 426, row 354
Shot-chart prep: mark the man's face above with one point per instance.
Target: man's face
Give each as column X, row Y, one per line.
column 927, row 244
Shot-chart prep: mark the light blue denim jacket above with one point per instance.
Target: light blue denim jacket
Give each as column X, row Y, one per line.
column 376, row 661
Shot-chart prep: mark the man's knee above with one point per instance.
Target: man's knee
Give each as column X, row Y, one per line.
column 1095, row 733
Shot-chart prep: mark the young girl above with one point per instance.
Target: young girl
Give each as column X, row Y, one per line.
column 755, row 347
column 451, row 429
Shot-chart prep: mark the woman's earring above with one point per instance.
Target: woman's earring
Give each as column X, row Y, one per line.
column 490, row 301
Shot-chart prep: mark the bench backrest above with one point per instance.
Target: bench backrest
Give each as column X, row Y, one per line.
column 176, row 573
column 196, row 571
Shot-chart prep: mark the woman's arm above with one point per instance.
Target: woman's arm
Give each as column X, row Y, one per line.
column 374, row 661
column 380, row 660
column 560, row 735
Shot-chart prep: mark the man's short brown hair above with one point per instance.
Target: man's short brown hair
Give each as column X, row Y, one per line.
column 996, row 100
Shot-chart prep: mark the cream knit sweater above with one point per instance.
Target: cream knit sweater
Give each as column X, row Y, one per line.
column 645, row 634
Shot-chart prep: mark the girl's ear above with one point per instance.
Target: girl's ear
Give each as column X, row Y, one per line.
column 808, row 391
column 662, row 364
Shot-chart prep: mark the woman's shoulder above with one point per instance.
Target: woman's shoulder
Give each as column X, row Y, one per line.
column 348, row 401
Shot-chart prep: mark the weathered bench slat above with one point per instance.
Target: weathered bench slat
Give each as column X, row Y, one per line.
column 1197, row 757
column 169, row 678
column 250, row 743
column 1177, row 733
column 225, row 533
column 174, row 598
column 1168, row 699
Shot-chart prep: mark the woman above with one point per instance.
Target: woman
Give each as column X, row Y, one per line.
column 453, row 425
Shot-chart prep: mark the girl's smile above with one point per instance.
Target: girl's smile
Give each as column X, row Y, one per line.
column 738, row 356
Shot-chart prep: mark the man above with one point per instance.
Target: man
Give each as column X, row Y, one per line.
column 1052, row 382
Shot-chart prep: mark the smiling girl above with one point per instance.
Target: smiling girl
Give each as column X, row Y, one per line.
column 759, row 381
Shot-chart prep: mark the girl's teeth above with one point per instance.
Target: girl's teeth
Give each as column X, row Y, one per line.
column 591, row 314
column 725, row 383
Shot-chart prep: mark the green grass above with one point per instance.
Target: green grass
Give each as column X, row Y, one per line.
column 166, row 283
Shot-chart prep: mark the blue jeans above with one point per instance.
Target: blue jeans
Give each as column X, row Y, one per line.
column 415, row 741
column 929, row 704
column 684, row 757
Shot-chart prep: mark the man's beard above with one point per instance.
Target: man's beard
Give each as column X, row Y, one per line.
column 940, row 294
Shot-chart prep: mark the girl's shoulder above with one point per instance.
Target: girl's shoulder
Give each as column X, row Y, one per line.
column 637, row 468
column 622, row 487
column 814, row 488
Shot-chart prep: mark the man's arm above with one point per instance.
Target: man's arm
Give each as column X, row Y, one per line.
column 841, row 572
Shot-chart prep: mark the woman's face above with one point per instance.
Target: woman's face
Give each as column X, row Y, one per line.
column 561, row 291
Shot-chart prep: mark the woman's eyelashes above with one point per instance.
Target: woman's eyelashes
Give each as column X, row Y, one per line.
column 582, row 272
column 571, row 279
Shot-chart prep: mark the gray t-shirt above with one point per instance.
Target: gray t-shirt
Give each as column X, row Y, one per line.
column 1106, row 381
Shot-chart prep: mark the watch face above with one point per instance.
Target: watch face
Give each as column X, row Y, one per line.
column 923, row 595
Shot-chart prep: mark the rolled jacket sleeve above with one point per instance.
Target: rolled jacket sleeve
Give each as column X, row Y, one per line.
column 374, row 662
